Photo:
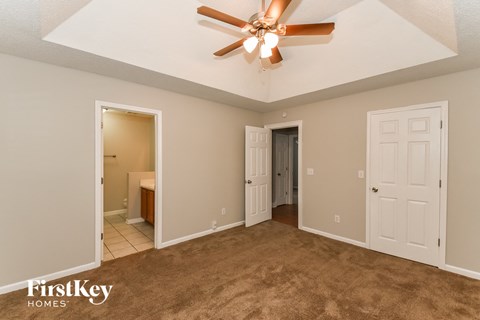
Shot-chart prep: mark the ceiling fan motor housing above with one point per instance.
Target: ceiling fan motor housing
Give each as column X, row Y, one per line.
column 260, row 22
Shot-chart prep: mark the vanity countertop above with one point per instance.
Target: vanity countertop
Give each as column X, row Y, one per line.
column 148, row 184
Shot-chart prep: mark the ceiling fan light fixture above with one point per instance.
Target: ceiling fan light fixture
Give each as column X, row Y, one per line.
column 265, row 29
column 265, row 51
column 250, row 44
column 271, row 40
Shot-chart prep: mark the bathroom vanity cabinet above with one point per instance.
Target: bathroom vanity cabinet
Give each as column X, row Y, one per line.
column 147, row 209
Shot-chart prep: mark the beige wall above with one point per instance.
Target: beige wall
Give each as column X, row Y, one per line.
column 152, row 146
column 47, row 163
column 129, row 137
column 334, row 144
column 135, row 193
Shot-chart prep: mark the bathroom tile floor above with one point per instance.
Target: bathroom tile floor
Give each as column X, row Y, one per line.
column 121, row 239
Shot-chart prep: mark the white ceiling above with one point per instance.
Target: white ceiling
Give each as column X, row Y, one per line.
column 167, row 45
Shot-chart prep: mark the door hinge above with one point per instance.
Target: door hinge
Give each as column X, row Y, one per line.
column 440, row 183
column 101, row 237
column 102, row 125
column 102, row 180
column 439, row 242
column 441, row 124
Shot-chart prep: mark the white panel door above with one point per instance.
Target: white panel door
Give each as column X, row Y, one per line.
column 258, row 175
column 281, row 169
column 405, row 184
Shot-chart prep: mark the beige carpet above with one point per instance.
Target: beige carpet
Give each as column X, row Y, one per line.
column 269, row 271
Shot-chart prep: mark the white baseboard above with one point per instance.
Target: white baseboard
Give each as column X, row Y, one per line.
column 92, row 265
column 230, row 226
column 89, row 266
column 334, row 237
column 449, row 268
column 200, row 234
column 463, row 272
column 48, row 277
column 114, row 212
column 136, row 220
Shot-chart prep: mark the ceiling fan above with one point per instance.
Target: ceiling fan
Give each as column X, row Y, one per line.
column 265, row 30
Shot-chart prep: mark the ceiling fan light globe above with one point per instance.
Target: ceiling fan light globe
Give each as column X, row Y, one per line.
column 265, row 51
column 250, row 44
column 271, row 40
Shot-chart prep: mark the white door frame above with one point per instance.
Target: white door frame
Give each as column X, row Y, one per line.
column 295, row 124
column 443, row 105
column 99, row 105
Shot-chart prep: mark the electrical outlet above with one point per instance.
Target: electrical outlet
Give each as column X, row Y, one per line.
column 337, row 218
column 214, row 224
column 224, row 211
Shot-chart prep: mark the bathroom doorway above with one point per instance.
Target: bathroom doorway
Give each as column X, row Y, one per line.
column 128, row 197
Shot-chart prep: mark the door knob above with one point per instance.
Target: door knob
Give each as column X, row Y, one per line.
column 375, row 189
column 279, row 174
column 249, row 181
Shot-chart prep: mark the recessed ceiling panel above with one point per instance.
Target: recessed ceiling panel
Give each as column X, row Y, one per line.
column 369, row 39
column 171, row 38
column 166, row 37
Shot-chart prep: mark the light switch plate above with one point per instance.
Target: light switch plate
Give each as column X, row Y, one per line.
column 361, row 174
column 310, row 172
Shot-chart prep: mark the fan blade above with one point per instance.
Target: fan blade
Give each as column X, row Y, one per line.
column 277, row 7
column 230, row 48
column 276, row 56
column 315, row 29
column 212, row 13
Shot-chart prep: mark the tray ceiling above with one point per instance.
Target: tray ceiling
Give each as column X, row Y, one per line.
column 165, row 44
column 370, row 39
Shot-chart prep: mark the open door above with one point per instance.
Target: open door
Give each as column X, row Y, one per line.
column 258, row 175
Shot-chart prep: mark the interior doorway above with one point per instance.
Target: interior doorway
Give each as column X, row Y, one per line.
column 128, row 180
column 286, row 172
column 285, row 176
column 129, row 162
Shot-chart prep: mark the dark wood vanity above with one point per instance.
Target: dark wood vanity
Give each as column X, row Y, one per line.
column 147, row 210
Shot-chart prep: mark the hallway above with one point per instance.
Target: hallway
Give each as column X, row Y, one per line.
column 287, row 214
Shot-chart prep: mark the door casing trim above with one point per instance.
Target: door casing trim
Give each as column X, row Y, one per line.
column 295, row 124
column 99, row 172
